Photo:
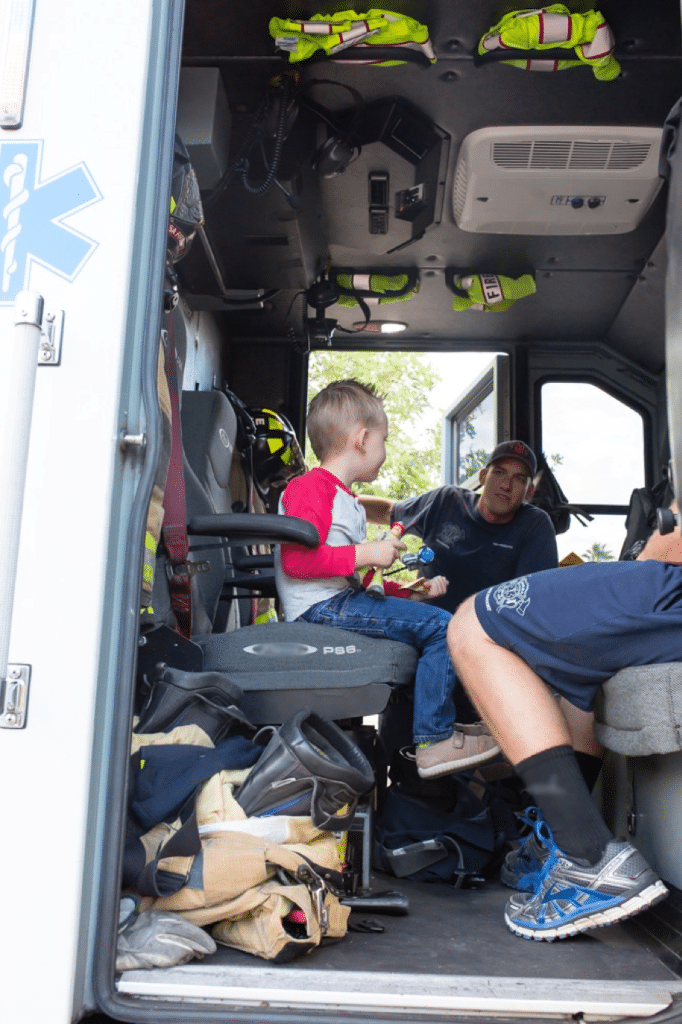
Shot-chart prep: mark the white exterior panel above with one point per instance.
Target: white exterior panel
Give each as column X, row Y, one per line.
column 81, row 141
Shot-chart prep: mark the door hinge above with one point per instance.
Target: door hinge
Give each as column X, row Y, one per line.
column 14, row 702
column 51, row 331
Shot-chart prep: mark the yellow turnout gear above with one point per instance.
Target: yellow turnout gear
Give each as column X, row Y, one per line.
column 554, row 27
column 491, row 293
column 333, row 33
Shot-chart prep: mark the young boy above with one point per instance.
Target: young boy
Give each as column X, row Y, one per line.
column 347, row 427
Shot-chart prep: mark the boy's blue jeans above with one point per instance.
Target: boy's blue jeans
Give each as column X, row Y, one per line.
column 420, row 625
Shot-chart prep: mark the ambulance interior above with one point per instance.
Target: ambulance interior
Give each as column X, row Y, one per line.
column 443, row 171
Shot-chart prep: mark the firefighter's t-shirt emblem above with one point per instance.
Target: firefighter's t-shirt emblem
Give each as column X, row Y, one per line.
column 32, row 210
column 450, row 533
column 513, row 595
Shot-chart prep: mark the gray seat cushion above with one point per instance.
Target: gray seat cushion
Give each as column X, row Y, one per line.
column 639, row 710
column 285, row 666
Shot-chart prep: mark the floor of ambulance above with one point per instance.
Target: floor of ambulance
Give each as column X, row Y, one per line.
column 451, row 953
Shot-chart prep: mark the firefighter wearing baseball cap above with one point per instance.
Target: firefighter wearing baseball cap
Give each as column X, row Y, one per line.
column 483, row 536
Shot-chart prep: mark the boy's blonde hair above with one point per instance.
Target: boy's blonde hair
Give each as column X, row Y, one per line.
column 337, row 408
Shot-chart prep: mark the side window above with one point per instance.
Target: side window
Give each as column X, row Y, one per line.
column 475, row 423
column 594, row 443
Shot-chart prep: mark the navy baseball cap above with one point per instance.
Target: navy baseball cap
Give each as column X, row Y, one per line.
column 514, row 450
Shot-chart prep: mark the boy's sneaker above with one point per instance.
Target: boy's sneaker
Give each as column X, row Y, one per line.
column 570, row 897
column 469, row 745
column 521, row 867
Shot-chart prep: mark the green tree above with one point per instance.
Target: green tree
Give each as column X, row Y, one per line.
column 472, row 461
column 406, row 379
column 475, row 459
column 598, row 553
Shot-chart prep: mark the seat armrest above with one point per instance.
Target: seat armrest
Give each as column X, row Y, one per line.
column 265, row 585
column 255, row 528
column 247, row 563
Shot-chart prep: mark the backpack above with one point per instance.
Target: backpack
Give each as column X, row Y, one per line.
column 551, row 499
column 427, row 842
column 641, row 518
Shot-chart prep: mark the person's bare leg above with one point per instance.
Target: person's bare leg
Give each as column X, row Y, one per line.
column 526, row 720
column 515, row 703
column 581, row 727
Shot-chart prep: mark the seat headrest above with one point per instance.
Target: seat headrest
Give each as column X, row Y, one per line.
column 209, row 430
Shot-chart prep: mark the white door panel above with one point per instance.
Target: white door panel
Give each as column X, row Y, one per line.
column 81, row 151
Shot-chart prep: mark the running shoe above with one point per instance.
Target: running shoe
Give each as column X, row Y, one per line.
column 571, row 897
column 521, row 867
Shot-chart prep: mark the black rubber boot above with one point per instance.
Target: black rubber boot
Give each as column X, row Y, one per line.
column 207, row 699
column 309, row 767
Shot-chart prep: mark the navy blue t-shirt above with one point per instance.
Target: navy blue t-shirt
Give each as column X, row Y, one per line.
column 472, row 553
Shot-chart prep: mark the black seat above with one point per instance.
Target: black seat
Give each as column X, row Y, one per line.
column 209, row 431
column 283, row 666
column 280, row 666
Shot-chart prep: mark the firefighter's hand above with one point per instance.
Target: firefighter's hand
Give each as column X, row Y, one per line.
column 430, row 588
column 379, row 553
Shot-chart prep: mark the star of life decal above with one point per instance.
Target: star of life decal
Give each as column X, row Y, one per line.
column 32, row 212
column 513, row 594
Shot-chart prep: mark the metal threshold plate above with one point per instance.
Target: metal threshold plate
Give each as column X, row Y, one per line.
column 373, row 993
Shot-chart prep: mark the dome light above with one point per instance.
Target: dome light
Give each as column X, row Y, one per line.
column 380, row 326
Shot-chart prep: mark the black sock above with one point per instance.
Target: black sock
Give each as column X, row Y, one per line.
column 590, row 766
column 554, row 780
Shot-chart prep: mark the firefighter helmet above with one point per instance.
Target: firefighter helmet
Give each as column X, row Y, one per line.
column 277, row 455
column 186, row 211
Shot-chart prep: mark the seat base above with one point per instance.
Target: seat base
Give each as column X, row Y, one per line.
column 284, row 666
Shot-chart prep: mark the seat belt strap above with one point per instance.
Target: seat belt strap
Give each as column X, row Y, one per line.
column 175, row 508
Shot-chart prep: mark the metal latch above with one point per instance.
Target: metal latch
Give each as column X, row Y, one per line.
column 183, row 569
column 15, row 697
column 51, row 331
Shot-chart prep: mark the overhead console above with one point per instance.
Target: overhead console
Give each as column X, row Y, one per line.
column 410, row 134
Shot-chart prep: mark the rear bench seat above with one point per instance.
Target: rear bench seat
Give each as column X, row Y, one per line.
column 639, row 710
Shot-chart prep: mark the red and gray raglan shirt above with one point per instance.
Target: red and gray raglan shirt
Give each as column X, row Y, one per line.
column 305, row 577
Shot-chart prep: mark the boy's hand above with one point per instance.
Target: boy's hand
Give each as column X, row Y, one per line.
column 379, row 553
column 430, row 588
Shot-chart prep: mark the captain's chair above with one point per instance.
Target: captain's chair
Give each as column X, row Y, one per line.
column 280, row 666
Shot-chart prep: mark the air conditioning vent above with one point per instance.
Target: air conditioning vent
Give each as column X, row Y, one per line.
column 624, row 157
column 512, row 154
column 589, row 155
column 460, row 187
column 549, row 180
column 550, row 154
column 573, row 155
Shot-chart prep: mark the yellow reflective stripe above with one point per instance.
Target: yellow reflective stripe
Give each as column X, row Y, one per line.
column 149, row 563
column 269, row 616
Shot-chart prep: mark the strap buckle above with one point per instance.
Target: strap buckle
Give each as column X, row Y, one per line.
column 183, row 570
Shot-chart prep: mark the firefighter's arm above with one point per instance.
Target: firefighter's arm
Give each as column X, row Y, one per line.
column 377, row 510
column 663, row 547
